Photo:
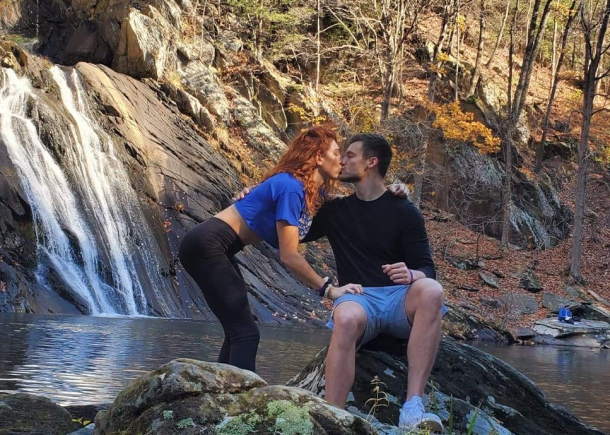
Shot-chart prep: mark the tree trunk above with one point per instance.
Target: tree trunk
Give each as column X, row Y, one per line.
column 493, row 52
column 527, row 21
column 387, row 93
column 508, row 191
column 439, row 48
column 507, row 141
column 594, row 51
column 477, row 64
column 318, row 50
column 579, row 212
column 554, row 85
column 457, row 63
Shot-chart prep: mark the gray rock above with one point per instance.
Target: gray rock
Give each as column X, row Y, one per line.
column 575, row 292
column 520, row 303
column 554, row 302
column 217, row 398
column 144, row 49
column 490, row 302
column 489, row 279
column 530, row 282
column 257, row 133
column 201, row 82
column 592, row 312
column 87, row 430
column 509, row 401
column 524, row 333
column 464, row 263
column 591, row 214
column 462, row 325
column 585, row 333
column 28, row 414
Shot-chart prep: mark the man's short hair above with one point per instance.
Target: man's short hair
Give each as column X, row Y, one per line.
column 375, row 145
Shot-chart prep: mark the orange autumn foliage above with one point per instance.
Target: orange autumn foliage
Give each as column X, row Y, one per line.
column 457, row 125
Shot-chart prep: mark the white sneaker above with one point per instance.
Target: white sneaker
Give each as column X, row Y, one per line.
column 413, row 415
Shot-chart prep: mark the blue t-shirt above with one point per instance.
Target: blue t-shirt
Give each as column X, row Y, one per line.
column 280, row 197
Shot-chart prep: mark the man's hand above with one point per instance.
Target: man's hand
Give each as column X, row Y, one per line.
column 242, row 194
column 335, row 292
column 399, row 189
column 398, row 273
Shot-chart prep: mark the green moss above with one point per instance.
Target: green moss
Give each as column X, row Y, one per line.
column 184, row 423
column 289, row 418
column 168, row 414
column 241, row 425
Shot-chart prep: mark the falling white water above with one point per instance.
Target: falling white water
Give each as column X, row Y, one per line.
column 97, row 207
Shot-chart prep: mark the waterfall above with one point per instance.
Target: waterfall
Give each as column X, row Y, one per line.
column 88, row 221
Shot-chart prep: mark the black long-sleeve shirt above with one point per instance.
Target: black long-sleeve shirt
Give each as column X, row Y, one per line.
column 365, row 235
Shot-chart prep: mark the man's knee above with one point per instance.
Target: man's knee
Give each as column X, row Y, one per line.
column 427, row 293
column 349, row 319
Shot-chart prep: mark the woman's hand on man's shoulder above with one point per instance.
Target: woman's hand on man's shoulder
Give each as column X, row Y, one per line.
column 399, row 189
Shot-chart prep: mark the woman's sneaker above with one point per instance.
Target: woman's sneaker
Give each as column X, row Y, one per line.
column 413, row 415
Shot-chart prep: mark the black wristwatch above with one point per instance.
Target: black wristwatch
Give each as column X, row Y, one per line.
column 322, row 290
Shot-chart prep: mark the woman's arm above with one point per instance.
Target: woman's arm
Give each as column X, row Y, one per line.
column 288, row 236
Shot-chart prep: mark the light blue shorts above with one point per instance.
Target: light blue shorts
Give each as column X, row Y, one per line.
column 385, row 312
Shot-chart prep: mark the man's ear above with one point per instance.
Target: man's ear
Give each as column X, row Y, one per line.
column 372, row 162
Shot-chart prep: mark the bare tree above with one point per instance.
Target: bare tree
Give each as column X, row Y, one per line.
column 516, row 102
column 477, row 64
column 594, row 32
column 448, row 12
column 555, row 78
column 493, row 52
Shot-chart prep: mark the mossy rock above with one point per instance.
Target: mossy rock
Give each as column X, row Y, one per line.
column 193, row 397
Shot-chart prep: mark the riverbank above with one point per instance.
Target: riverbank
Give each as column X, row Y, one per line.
column 82, row 362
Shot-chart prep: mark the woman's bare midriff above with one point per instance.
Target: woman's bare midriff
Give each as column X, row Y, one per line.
column 232, row 218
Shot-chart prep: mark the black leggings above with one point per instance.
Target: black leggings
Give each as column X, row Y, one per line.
column 207, row 254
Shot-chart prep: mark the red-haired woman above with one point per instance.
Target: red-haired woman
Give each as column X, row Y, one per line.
column 278, row 211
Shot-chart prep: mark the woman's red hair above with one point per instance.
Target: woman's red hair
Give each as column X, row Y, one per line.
column 299, row 160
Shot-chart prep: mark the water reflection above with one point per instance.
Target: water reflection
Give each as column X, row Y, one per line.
column 81, row 359
column 573, row 377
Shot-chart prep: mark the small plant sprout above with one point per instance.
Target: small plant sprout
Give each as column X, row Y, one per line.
column 379, row 399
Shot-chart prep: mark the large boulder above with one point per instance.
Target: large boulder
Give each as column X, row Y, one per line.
column 23, row 413
column 520, row 303
column 473, row 184
column 554, row 302
column 507, row 401
column 198, row 397
column 146, row 47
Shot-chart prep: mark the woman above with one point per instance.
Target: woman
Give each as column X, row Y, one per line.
column 279, row 211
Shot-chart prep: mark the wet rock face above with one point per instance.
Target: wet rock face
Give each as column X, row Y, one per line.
column 25, row 413
column 198, row 397
column 509, row 401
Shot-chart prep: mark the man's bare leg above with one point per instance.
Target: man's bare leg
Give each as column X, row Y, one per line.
column 423, row 304
column 349, row 325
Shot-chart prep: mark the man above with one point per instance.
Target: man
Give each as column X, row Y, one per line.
column 379, row 241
